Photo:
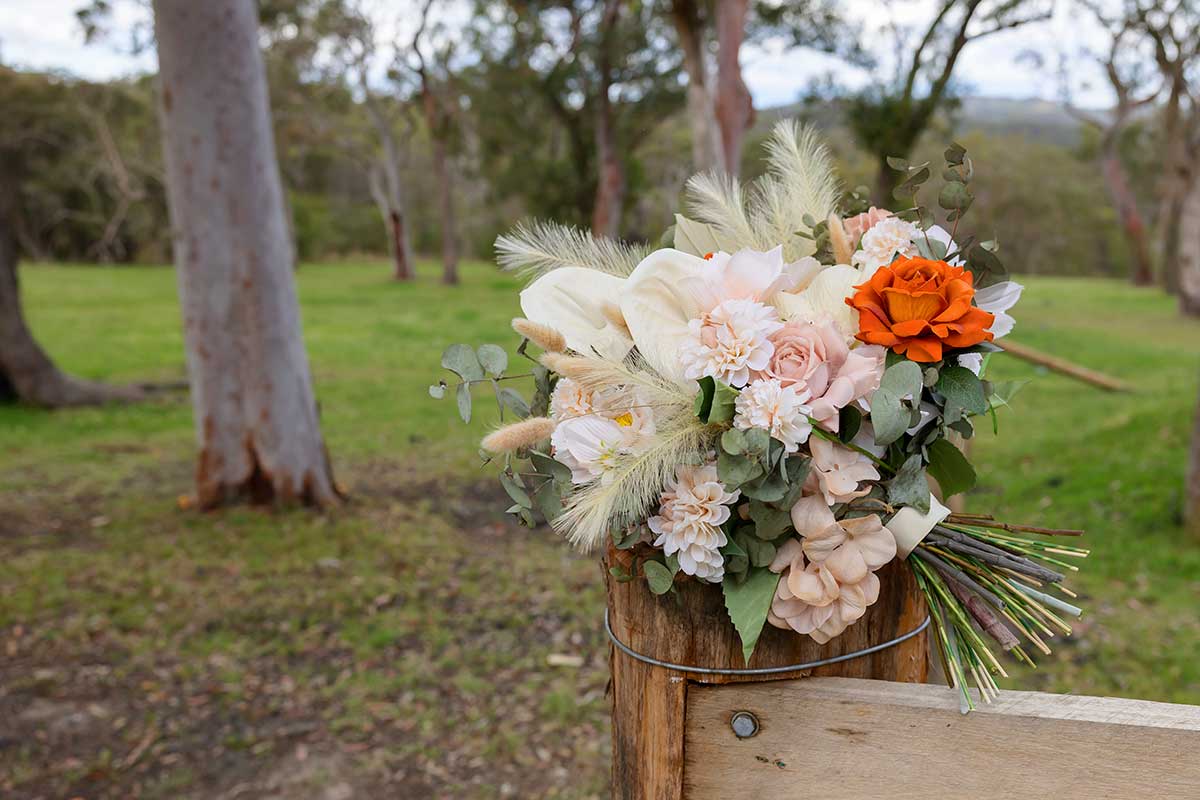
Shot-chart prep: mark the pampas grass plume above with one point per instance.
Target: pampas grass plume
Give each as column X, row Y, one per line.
column 543, row 336
column 525, row 433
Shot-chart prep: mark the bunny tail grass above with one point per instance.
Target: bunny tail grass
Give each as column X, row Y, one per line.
column 535, row 248
column 543, row 336
column 525, row 433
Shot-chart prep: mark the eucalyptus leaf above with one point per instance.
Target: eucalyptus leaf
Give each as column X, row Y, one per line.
column 438, row 390
column 737, row 470
column 462, row 397
column 733, row 441
column 511, row 399
column 889, row 415
column 548, row 500
column 462, row 361
column 759, row 552
column 736, row 559
column 769, row 523
column 748, row 602
column 658, row 576
column 910, row 487
column 493, row 359
column 545, row 465
column 514, row 490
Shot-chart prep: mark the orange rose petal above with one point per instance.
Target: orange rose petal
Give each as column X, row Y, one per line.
column 923, row 350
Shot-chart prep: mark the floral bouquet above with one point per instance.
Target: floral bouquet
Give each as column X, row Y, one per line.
column 763, row 406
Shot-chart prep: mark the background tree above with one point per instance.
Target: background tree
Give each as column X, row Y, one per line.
column 1191, row 514
column 564, row 95
column 255, row 412
column 439, row 104
column 1134, row 89
column 39, row 126
column 890, row 117
column 1171, row 27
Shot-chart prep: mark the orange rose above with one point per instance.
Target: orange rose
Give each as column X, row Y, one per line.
column 917, row 306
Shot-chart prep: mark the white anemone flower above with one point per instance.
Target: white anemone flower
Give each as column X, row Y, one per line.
column 588, row 446
column 997, row 299
column 730, row 341
column 776, row 408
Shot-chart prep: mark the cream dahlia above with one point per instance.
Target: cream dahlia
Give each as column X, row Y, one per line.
column 569, row 399
column 883, row 241
column 777, row 408
column 730, row 342
column 689, row 520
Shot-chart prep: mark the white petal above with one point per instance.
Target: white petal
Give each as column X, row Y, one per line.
column 940, row 234
column 571, row 300
column 824, row 300
column 999, row 296
column 910, row 526
column 657, row 300
column 972, row 361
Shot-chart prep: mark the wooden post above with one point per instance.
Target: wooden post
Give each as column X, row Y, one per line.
column 649, row 702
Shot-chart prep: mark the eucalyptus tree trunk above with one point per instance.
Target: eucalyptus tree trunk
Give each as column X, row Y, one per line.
column 1191, row 511
column 1188, row 255
column 734, row 107
column 610, row 186
column 26, row 373
column 706, row 141
column 255, row 414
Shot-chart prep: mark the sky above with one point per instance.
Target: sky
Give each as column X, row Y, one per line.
column 44, row 34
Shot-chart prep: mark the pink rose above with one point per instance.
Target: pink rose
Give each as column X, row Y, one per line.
column 814, row 357
column 859, row 224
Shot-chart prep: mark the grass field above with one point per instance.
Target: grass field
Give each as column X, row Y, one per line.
column 400, row 646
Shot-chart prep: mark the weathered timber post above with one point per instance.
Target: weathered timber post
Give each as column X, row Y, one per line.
column 649, row 703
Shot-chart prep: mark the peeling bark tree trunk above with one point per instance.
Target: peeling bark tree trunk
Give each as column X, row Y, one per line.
column 441, row 167
column 1188, row 257
column 26, row 372
column 1191, row 511
column 706, row 141
column 1125, row 204
column 255, row 414
column 610, row 187
column 734, row 107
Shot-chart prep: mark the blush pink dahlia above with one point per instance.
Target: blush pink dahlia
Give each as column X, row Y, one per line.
column 776, row 408
column 730, row 342
column 693, row 509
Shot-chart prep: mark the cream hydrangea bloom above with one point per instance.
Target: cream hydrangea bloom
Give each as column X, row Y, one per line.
column 692, row 511
column 776, row 408
column 884, row 240
column 849, row 548
column 837, row 472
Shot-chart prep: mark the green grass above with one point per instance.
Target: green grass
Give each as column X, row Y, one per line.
column 406, row 635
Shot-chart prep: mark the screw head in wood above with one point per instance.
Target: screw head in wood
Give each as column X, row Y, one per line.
column 744, row 724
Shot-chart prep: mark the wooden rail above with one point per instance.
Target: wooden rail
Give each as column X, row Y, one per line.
column 844, row 738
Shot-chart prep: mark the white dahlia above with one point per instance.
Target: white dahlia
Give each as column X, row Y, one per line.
column 730, row 341
column 776, row 408
column 883, row 241
column 692, row 511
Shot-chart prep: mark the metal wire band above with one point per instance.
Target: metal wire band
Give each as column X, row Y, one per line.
column 624, row 648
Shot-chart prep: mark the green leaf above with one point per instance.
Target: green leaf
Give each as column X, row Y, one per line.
column 462, row 361
column 511, row 399
column 703, row 404
column 950, row 468
column 623, row 540
column 658, row 576
column 493, row 359
column 736, row 560
column 759, row 552
column 889, row 415
column 955, row 196
column 897, row 163
column 438, row 390
column 758, row 442
column 962, row 390
column 514, row 490
column 769, row 488
column 463, row 397
column 723, row 401
column 909, row 487
column 1001, row 393
column 849, row 422
column 748, row 602
column 798, row 468
column 985, row 265
column 548, row 500
column 736, row 470
column 618, row 572
column 733, row 441
column 545, row 465
column 769, row 523
column 954, row 153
